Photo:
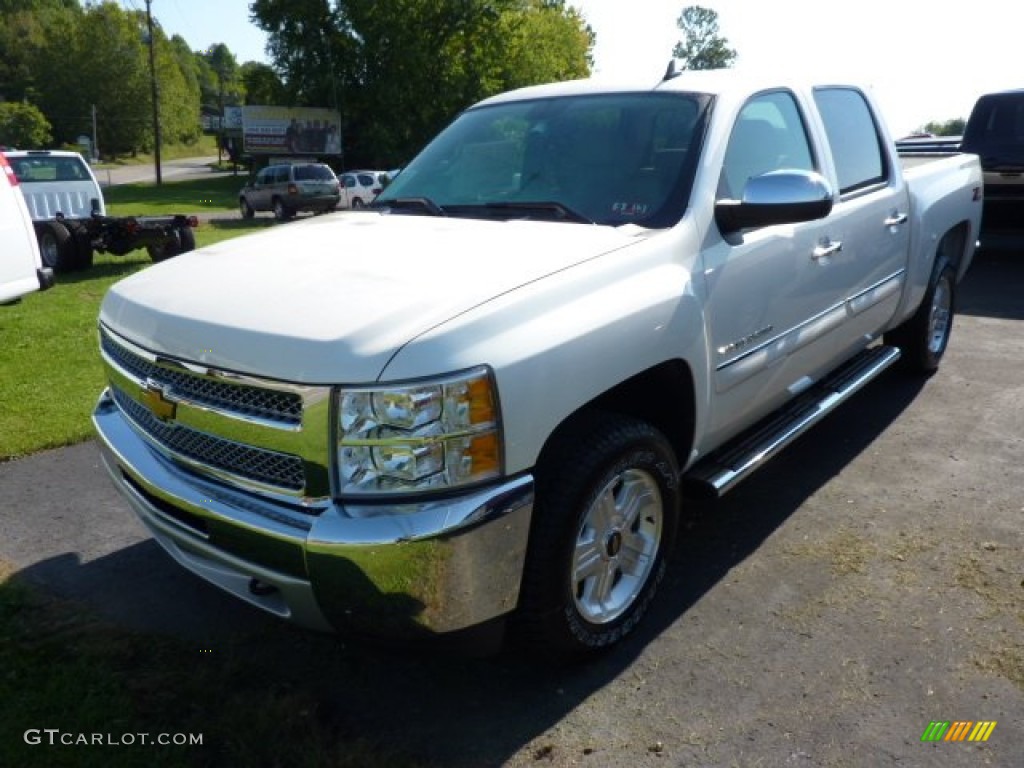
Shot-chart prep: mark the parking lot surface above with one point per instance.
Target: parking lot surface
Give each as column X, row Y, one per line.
column 867, row 582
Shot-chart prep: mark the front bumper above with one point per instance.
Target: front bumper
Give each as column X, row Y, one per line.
column 393, row 569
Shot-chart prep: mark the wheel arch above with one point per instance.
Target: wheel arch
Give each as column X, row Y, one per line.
column 664, row 396
column 955, row 246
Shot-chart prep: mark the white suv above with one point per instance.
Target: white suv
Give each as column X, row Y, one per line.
column 361, row 187
column 21, row 269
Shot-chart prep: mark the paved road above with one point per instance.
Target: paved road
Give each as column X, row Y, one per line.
column 171, row 170
column 867, row 582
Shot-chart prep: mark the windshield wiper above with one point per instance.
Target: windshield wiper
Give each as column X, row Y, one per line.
column 553, row 208
column 424, row 204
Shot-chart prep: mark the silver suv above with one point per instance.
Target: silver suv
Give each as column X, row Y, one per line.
column 287, row 189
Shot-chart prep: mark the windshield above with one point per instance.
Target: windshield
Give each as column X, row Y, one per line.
column 36, row 168
column 313, row 173
column 624, row 158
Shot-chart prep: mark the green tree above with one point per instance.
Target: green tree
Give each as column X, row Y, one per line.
column 702, row 47
column 24, row 25
column 227, row 86
column 74, row 75
column 23, row 125
column 262, row 84
column 398, row 71
column 536, row 39
column 954, row 127
column 178, row 91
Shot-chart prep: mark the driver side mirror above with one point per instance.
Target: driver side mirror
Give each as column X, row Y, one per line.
column 776, row 197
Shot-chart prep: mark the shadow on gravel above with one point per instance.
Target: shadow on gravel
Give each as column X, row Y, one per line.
column 447, row 709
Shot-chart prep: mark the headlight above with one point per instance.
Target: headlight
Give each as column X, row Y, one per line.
column 436, row 434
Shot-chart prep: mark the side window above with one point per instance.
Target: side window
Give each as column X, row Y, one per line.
column 769, row 135
column 263, row 176
column 853, row 137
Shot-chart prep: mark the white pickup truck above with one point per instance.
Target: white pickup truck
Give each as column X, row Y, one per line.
column 491, row 394
column 70, row 218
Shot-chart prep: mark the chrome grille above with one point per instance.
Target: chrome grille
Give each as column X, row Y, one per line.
column 273, row 405
column 259, row 465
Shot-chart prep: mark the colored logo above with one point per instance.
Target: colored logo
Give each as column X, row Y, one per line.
column 958, row 730
column 153, row 398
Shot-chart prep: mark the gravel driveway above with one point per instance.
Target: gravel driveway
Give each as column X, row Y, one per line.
column 869, row 581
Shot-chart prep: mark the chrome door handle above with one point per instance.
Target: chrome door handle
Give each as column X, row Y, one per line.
column 895, row 219
column 827, row 248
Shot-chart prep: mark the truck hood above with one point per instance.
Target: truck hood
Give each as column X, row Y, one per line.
column 331, row 299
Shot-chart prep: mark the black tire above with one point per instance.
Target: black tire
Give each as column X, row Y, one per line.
column 580, row 592
column 357, row 203
column 187, row 239
column 56, row 246
column 923, row 338
column 245, row 209
column 180, row 240
column 281, row 211
column 84, row 252
column 170, row 246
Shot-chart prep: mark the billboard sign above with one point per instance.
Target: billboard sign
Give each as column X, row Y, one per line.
column 290, row 131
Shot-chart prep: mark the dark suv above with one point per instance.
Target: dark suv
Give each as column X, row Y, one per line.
column 286, row 189
column 995, row 132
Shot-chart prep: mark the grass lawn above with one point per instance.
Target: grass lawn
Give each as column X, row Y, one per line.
column 50, row 372
column 213, row 196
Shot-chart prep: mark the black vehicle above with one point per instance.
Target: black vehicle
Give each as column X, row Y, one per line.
column 995, row 132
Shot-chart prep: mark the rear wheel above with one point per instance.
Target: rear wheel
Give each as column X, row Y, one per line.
column 187, row 238
column 56, row 246
column 84, row 252
column 357, row 203
column 604, row 524
column 281, row 211
column 181, row 239
column 924, row 337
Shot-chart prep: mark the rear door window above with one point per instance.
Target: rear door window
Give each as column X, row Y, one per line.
column 853, row 137
column 313, row 173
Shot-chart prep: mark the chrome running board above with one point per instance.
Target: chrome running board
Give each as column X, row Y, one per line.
column 721, row 470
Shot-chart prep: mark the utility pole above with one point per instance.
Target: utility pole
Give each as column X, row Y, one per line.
column 156, row 103
column 95, row 138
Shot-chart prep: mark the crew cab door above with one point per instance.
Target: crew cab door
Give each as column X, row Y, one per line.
column 767, row 293
column 869, row 218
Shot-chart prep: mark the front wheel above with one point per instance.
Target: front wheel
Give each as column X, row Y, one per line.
column 924, row 337
column 245, row 209
column 604, row 524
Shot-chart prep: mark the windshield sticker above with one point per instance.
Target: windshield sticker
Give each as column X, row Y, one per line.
column 631, row 209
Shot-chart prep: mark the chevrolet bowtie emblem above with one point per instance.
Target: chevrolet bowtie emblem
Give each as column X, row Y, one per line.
column 153, row 398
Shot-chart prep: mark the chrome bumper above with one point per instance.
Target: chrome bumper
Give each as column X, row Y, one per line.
column 395, row 569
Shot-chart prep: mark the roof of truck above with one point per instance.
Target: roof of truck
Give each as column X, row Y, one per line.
column 714, row 82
